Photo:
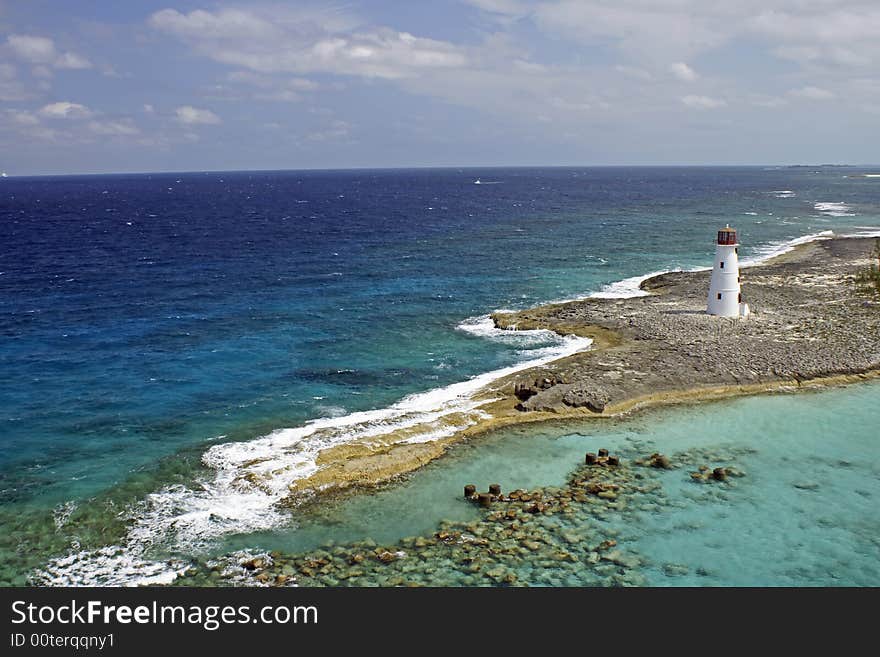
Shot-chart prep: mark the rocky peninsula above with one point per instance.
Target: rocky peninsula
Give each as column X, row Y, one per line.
column 811, row 324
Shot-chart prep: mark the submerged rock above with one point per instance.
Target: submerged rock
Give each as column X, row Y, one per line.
column 675, row 570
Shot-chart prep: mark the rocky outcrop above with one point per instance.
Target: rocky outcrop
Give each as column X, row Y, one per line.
column 592, row 398
column 808, row 322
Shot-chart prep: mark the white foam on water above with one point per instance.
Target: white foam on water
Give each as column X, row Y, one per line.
column 865, row 231
column 250, row 478
column 484, row 327
column 628, row 288
column 631, row 287
column 773, row 249
column 835, row 209
column 783, row 193
column 108, row 566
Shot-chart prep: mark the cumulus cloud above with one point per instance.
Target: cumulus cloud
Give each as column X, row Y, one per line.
column 646, row 30
column 703, row 102
column 65, row 110
column 683, row 72
column 42, row 50
column 83, row 125
column 274, row 52
column 843, row 32
column 251, row 41
column 34, row 49
column 190, row 115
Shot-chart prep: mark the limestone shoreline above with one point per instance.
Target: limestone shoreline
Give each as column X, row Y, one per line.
column 811, row 326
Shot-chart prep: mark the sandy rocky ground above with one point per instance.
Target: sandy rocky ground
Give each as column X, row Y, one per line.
column 809, row 321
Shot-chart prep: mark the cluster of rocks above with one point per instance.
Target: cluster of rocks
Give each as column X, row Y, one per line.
column 525, row 391
column 809, row 320
column 544, row 536
column 705, row 473
column 578, row 534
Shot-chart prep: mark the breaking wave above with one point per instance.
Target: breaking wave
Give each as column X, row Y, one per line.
column 251, row 478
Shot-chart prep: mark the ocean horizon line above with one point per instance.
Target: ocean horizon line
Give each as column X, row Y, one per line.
column 439, row 167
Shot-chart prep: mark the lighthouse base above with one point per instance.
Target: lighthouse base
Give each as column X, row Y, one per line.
column 741, row 311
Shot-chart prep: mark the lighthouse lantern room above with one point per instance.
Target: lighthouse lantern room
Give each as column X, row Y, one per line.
column 725, row 294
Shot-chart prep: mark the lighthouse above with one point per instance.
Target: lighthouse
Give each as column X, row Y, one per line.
column 725, row 295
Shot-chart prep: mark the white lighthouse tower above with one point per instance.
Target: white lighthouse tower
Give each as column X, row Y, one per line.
column 725, row 295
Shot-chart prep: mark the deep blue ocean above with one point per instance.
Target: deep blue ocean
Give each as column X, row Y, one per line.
column 148, row 317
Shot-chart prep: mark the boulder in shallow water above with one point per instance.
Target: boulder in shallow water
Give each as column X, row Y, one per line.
column 675, row 570
column 386, row 556
column 660, row 461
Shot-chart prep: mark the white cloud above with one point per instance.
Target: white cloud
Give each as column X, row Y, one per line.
column 41, row 50
column 72, row 60
column 33, row 49
column 299, row 45
column 836, row 32
column 507, row 7
column 812, row 93
column 65, row 110
column 683, row 72
column 203, row 25
column 274, row 88
column 114, row 128
column 194, row 116
column 703, row 102
column 646, row 30
column 644, row 45
column 266, row 82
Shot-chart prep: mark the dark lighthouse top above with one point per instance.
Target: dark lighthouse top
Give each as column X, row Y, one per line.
column 727, row 235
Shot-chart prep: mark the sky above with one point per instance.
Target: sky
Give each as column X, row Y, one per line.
column 107, row 86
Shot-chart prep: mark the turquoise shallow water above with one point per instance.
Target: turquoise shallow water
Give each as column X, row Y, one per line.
column 806, row 512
